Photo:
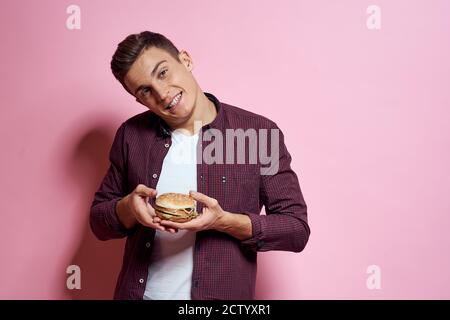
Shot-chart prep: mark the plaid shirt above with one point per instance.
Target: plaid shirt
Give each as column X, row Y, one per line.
column 224, row 267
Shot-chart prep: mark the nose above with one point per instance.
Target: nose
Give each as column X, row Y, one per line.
column 161, row 92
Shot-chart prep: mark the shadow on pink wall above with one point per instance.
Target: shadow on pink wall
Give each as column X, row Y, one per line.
column 99, row 261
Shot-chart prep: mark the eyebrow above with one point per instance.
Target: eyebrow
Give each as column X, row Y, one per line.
column 152, row 74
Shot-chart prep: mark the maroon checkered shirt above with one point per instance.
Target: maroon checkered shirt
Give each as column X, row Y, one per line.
column 224, row 267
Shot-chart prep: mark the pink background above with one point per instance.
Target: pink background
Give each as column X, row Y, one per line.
column 365, row 114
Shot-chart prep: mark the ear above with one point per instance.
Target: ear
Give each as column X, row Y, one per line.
column 186, row 60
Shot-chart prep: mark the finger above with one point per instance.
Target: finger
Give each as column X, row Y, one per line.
column 143, row 207
column 151, row 211
column 145, row 218
column 210, row 202
column 171, row 224
column 158, row 221
column 189, row 225
column 149, row 223
column 145, row 191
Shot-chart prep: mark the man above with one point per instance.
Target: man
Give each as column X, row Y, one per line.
column 213, row 256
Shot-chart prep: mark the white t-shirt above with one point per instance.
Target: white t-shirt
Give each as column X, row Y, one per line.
column 170, row 269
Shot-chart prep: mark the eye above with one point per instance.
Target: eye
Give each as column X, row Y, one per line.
column 145, row 90
column 163, row 73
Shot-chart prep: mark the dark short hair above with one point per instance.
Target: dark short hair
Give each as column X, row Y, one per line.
column 132, row 46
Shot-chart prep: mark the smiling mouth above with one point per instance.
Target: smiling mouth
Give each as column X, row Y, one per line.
column 174, row 102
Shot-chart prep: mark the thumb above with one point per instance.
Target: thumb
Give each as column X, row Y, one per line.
column 145, row 191
column 210, row 202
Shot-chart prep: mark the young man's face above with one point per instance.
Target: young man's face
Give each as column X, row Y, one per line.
column 164, row 85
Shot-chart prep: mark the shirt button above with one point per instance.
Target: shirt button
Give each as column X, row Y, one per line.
column 166, row 145
column 155, row 176
column 141, row 280
column 148, row 244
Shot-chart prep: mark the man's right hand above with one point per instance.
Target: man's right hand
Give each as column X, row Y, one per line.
column 135, row 208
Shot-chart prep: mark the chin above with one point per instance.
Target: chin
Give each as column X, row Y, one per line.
column 186, row 112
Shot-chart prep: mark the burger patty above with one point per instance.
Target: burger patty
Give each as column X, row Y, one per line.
column 173, row 212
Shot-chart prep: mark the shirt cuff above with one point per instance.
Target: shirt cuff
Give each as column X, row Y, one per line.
column 112, row 219
column 256, row 242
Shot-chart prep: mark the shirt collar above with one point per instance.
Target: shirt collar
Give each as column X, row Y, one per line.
column 217, row 123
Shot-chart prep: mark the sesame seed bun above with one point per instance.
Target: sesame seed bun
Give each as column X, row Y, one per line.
column 175, row 201
column 176, row 207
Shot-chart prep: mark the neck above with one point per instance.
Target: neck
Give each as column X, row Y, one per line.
column 204, row 112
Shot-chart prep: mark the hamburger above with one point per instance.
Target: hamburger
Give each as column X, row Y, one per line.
column 175, row 207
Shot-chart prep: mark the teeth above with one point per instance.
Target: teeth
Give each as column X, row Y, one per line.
column 174, row 101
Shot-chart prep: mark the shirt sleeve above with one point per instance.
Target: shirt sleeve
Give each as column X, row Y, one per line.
column 104, row 222
column 285, row 225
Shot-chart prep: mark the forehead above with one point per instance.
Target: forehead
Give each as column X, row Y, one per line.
column 141, row 69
